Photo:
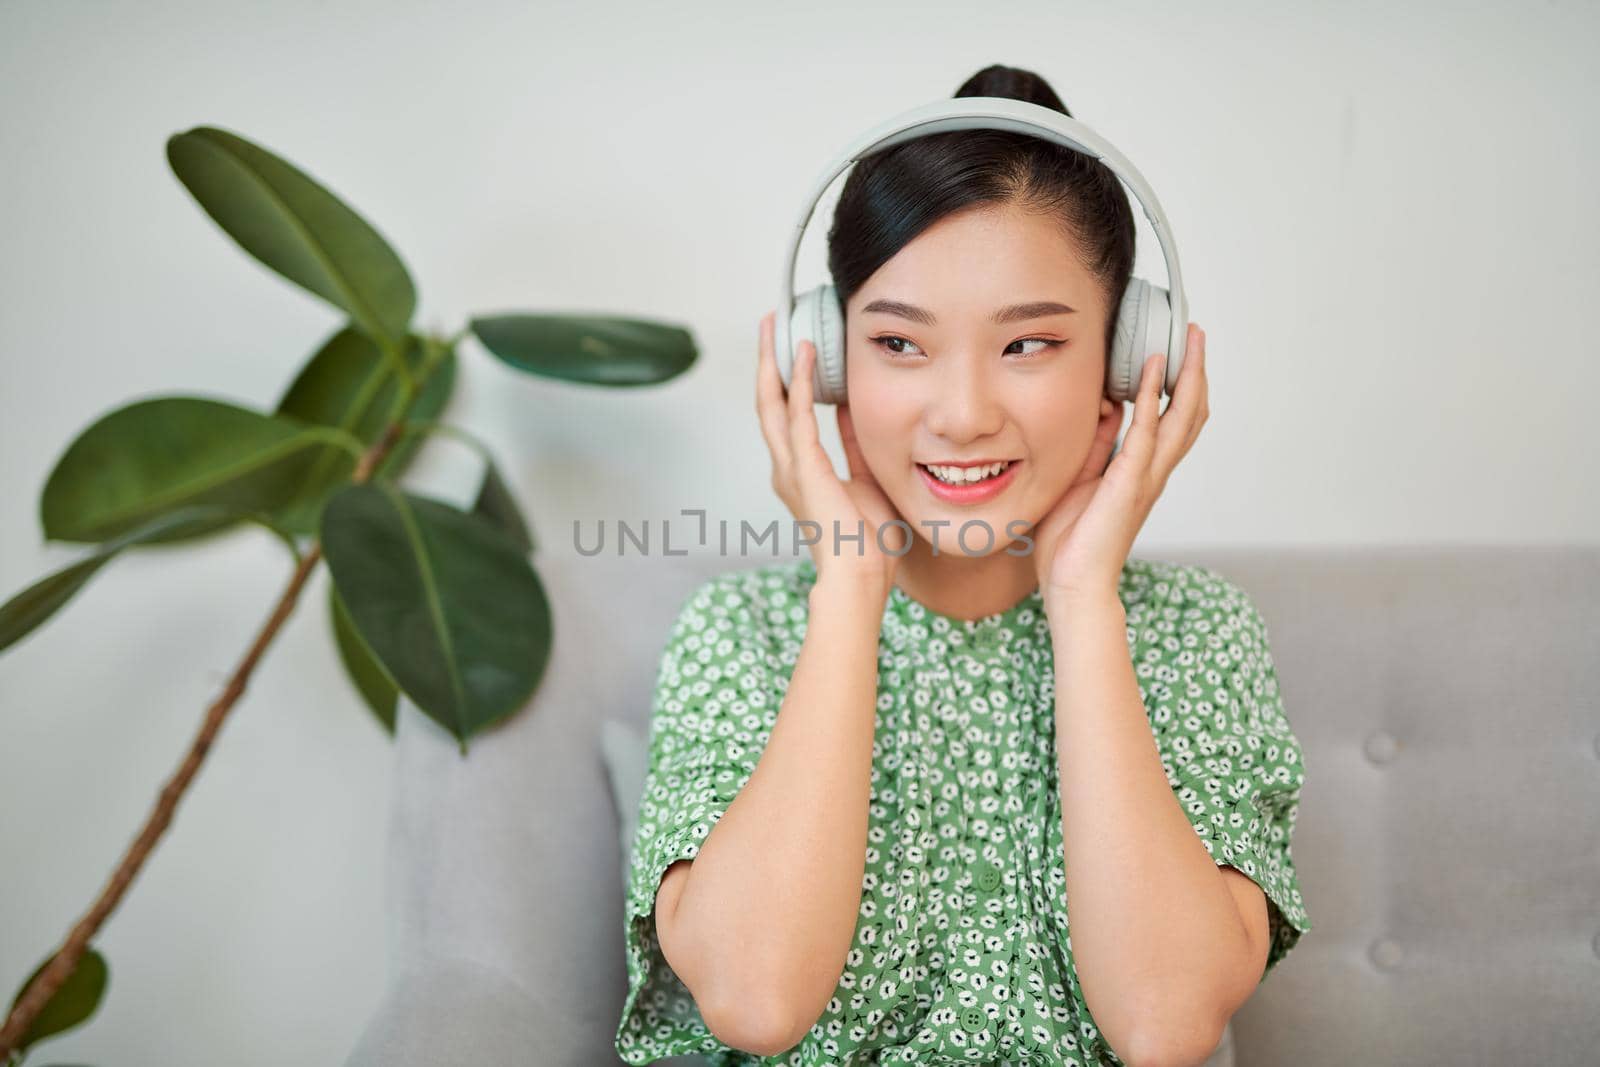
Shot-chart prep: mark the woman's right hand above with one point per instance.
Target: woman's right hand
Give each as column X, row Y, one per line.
column 804, row 478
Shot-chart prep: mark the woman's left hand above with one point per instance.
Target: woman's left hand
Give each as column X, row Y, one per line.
column 1082, row 543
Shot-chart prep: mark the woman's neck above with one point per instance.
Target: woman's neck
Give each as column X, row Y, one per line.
column 964, row 586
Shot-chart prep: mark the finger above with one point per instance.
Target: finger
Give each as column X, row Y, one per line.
column 1201, row 388
column 1178, row 422
column 1105, row 440
column 1139, row 441
column 852, row 448
column 803, row 434
column 1205, row 394
column 769, row 396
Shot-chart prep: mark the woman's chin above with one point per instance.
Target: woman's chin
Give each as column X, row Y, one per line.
column 942, row 526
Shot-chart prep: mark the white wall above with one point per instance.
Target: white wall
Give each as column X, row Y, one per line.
column 1387, row 228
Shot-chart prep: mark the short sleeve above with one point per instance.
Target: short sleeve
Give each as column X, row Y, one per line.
column 715, row 699
column 1230, row 752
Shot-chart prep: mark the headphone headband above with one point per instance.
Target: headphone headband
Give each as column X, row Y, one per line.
column 998, row 113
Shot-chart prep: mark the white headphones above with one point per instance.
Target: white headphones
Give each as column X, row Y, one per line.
column 1151, row 319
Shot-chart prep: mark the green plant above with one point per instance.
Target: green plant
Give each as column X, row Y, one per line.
column 426, row 599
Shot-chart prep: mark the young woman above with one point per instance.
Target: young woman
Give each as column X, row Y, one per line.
column 879, row 774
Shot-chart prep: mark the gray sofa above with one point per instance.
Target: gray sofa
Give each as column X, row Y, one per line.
column 1448, row 704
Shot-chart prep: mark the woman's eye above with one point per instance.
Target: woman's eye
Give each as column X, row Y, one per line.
column 886, row 342
column 1039, row 340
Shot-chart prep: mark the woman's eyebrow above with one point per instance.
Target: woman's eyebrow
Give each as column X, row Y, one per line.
column 1036, row 309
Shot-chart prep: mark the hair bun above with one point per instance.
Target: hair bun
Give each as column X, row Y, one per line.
column 1013, row 83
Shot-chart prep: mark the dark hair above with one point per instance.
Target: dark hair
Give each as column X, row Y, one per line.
column 895, row 193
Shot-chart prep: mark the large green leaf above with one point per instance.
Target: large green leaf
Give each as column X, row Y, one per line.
column 448, row 603
column 288, row 221
column 156, row 455
column 377, row 689
column 30, row 608
column 73, row 1003
column 349, row 385
column 594, row 349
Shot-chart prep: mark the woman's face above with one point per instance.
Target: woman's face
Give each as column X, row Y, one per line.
column 933, row 378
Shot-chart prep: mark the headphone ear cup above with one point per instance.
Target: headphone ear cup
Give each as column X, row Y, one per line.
column 1144, row 326
column 819, row 319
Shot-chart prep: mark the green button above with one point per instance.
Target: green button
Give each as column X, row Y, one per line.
column 974, row 1019
column 987, row 638
column 988, row 876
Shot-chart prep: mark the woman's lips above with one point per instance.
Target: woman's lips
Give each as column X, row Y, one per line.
column 976, row 493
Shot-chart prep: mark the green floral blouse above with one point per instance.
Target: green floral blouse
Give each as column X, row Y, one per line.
column 963, row 952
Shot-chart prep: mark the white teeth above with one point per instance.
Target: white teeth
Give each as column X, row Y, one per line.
column 966, row 475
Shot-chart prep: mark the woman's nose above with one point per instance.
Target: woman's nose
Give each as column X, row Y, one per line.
column 963, row 405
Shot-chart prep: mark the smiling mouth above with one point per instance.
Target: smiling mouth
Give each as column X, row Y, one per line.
column 964, row 476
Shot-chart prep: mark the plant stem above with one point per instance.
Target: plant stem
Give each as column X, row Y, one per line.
column 66, row 958
column 396, row 358
column 408, row 391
